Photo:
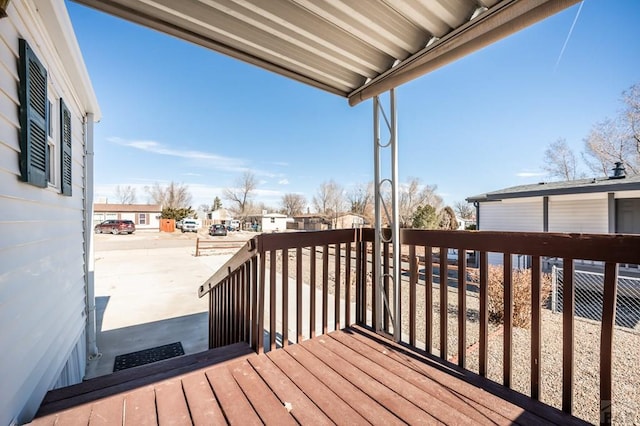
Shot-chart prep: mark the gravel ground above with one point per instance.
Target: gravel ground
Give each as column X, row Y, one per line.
column 626, row 359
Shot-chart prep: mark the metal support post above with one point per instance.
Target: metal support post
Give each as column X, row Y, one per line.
column 386, row 189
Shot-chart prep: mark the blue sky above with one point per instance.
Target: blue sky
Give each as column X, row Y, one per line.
column 173, row 111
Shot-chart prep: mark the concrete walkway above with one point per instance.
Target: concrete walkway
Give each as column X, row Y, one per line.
column 147, row 297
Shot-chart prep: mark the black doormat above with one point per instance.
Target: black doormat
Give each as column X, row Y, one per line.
column 147, row 356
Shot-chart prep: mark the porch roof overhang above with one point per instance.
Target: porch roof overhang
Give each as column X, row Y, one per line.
column 355, row 49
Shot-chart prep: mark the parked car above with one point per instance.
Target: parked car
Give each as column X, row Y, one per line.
column 217, row 229
column 115, row 226
column 189, row 225
column 179, row 224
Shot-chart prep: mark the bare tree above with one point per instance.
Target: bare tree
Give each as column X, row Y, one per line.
column 606, row 144
column 204, row 208
column 126, row 194
column 560, row 161
column 173, row 196
column 412, row 195
column 631, row 116
column 242, row 193
column 361, row 199
column 618, row 139
column 463, row 209
column 293, row 204
column 329, row 199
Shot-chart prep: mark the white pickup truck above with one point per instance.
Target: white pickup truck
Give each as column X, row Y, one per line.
column 189, row 225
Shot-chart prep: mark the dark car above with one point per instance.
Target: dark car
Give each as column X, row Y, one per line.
column 217, row 229
column 115, row 227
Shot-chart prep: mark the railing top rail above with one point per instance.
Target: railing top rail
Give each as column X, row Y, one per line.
column 291, row 240
column 245, row 253
column 277, row 241
column 618, row 248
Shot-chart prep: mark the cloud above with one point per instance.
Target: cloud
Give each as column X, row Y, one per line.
column 530, row 174
column 210, row 160
column 283, row 181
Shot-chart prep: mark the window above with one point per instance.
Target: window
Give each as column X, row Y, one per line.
column 142, row 219
column 45, row 141
column 273, row 220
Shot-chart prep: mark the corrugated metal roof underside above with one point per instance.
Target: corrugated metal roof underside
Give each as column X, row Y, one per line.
column 353, row 48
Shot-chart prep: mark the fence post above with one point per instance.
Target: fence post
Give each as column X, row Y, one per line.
column 197, row 247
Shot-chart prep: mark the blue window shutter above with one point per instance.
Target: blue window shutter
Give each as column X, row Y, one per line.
column 65, row 141
column 34, row 156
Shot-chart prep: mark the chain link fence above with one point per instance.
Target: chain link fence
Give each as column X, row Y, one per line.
column 589, row 287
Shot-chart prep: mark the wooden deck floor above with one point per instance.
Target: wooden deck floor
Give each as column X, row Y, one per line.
column 350, row 376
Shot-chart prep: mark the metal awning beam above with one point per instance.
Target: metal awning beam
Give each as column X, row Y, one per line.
column 484, row 30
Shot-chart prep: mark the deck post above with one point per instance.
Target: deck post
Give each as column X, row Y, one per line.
column 388, row 186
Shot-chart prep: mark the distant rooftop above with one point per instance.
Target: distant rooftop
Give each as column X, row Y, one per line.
column 579, row 186
column 121, row 208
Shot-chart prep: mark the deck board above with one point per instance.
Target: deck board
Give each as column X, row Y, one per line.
column 302, row 408
column 233, row 402
column 352, row 376
column 140, row 407
column 202, row 402
column 437, row 405
column 267, row 405
column 324, row 397
column 385, row 396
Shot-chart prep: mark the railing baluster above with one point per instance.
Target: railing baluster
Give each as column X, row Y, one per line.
column 247, row 302
column 211, row 319
column 272, row 299
column 428, row 290
column 568, row 308
column 535, row 328
column 462, row 307
column 261, row 297
column 312, row 292
column 508, row 321
column 359, row 283
column 606, row 340
column 236, row 307
column 413, row 279
column 484, row 315
column 285, row 297
column 347, row 284
column 325, row 288
column 444, row 302
column 386, row 260
column 225, row 309
column 255, row 331
column 299, row 295
column 374, row 285
column 336, row 317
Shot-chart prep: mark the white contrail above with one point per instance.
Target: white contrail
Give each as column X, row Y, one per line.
column 568, row 36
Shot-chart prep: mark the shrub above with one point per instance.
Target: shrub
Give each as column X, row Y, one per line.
column 521, row 284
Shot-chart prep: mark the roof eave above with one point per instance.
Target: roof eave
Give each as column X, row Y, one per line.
column 615, row 186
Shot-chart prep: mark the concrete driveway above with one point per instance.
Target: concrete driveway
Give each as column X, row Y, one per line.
column 146, row 293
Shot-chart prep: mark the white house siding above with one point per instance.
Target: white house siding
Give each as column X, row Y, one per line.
column 582, row 216
column 513, row 216
column 42, row 280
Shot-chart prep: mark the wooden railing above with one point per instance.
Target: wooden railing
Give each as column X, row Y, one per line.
column 252, row 296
